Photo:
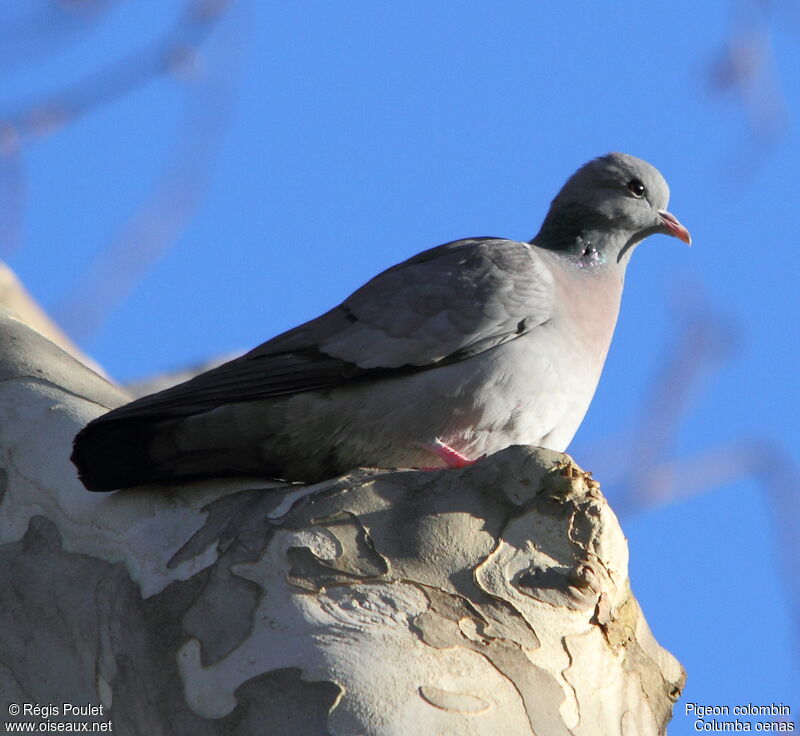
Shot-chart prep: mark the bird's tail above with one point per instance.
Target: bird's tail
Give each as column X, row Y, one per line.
column 114, row 454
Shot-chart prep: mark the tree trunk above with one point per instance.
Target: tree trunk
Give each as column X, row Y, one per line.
column 487, row 600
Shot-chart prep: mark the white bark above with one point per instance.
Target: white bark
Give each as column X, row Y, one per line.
column 16, row 298
column 488, row 600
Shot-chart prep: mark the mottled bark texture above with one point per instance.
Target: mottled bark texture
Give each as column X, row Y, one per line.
column 488, row 600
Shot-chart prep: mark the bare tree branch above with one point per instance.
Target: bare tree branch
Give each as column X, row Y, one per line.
column 156, row 225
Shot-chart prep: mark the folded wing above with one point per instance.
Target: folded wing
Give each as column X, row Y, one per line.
column 441, row 306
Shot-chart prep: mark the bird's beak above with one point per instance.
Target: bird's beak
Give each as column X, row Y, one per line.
column 673, row 227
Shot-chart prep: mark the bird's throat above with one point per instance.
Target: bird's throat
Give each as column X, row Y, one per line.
column 574, row 230
column 588, row 248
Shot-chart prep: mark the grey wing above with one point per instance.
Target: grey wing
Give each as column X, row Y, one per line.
column 443, row 305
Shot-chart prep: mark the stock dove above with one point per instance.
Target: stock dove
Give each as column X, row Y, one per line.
column 458, row 352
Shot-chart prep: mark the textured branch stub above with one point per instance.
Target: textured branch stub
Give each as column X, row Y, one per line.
column 489, row 599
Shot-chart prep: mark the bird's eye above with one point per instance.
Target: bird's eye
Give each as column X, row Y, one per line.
column 636, row 188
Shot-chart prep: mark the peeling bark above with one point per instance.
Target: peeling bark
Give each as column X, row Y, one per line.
column 484, row 600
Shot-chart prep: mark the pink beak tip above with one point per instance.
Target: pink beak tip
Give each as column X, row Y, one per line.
column 674, row 227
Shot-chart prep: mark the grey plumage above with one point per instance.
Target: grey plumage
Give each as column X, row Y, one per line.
column 479, row 343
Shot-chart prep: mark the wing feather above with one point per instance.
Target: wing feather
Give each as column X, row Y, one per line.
column 446, row 304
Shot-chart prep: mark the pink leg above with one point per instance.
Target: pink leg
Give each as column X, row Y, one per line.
column 452, row 458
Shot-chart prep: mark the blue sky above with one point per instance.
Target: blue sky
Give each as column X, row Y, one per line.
column 325, row 141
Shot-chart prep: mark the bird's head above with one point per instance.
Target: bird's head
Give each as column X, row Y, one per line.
column 608, row 206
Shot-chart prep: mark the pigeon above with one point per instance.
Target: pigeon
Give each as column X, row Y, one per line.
column 453, row 354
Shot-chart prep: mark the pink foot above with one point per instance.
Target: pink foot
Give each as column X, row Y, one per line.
column 451, row 458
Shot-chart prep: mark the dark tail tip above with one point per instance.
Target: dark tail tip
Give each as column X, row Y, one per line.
column 112, row 454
